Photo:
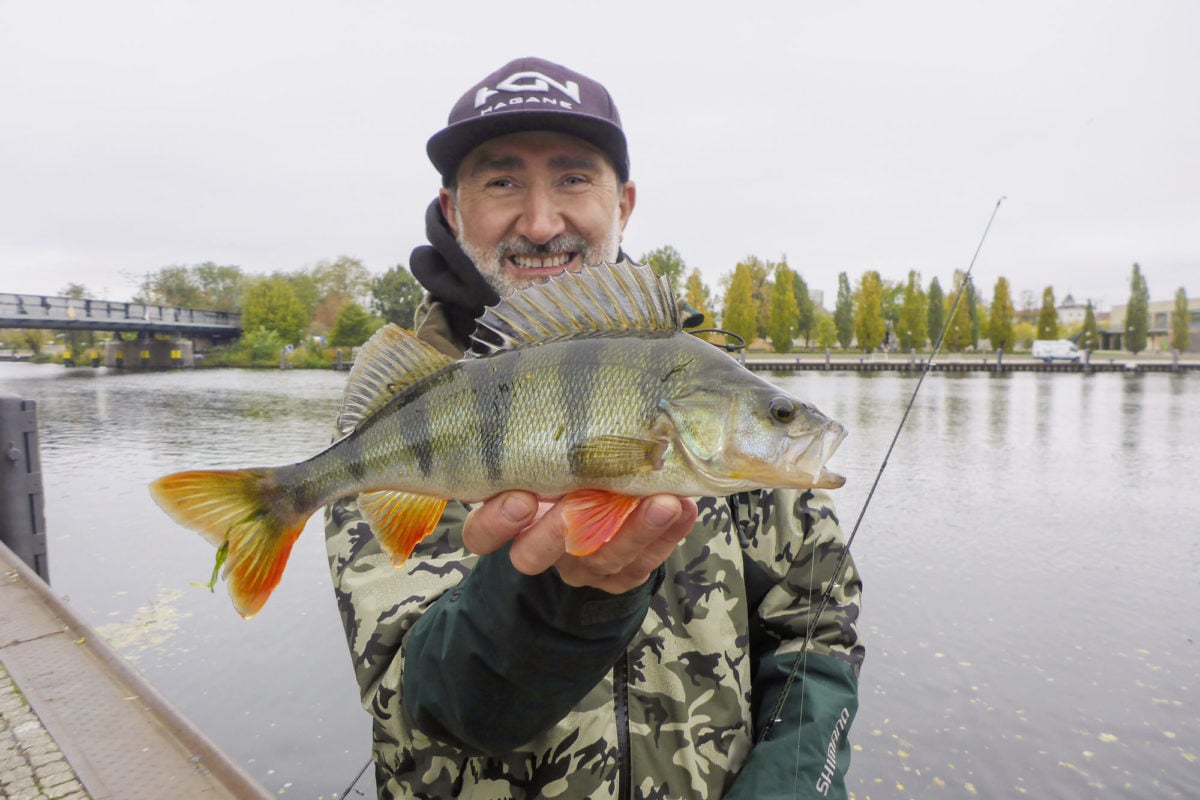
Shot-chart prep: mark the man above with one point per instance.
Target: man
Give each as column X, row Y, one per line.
column 494, row 664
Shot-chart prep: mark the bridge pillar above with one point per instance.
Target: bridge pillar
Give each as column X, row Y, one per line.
column 149, row 354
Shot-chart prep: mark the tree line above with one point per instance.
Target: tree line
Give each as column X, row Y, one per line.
column 768, row 302
column 339, row 303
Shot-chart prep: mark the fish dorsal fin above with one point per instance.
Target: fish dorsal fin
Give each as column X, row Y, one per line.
column 606, row 299
column 390, row 360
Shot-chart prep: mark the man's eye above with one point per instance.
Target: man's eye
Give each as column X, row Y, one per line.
column 500, row 183
column 575, row 180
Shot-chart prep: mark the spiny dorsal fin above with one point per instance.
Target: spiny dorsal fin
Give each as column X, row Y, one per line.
column 390, row 360
column 604, row 299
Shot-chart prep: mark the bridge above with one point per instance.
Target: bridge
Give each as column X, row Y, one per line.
column 149, row 321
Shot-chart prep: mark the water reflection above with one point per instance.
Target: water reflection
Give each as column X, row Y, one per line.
column 1131, row 412
column 1021, row 639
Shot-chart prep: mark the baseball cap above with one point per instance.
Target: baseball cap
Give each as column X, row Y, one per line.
column 530, row 94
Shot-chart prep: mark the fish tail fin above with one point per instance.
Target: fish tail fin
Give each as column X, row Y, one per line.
column 594, row 516
column 241, row 512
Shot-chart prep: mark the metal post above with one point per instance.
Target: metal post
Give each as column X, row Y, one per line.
column 22, row 521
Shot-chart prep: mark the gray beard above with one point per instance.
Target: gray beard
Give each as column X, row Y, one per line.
column 492, row 265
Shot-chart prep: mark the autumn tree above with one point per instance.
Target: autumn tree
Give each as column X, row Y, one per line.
column 782, row 324
column 843, row 312
column 1181, row 322
column 271, row 304
column 937, row 310
column 740, row 315
column 958, row 320
column 869, row 324
column 912, row 322
column 1137, row 313
column 395, row 296
column 1000, row 320
column 1047, row 321
column 826, row 330
column 698, row 296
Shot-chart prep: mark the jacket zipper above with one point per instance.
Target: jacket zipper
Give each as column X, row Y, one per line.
column 621, row 708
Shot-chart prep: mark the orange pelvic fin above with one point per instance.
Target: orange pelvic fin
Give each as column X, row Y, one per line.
column 235, row 510
column 400, row 520
column 594, row 516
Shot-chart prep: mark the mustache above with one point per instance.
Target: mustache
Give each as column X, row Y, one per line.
column 562, row 243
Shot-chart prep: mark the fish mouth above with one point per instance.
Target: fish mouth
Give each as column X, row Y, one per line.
column 809, row 453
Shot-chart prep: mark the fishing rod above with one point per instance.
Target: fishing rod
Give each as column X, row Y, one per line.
column 835, row 578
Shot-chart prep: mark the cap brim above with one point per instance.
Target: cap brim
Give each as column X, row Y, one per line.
column 449, row 146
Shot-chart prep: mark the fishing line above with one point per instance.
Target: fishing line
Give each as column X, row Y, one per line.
column 835, row 578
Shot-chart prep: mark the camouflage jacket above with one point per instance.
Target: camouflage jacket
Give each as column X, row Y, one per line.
column 485, row 683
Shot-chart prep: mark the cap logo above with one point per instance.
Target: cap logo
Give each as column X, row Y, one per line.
column 527, row 81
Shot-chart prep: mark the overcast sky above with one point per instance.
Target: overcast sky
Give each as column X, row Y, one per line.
column 847, row 136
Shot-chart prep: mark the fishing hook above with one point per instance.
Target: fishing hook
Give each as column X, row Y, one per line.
column 837, row 576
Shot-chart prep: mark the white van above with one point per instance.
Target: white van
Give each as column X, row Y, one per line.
column 1050, row 349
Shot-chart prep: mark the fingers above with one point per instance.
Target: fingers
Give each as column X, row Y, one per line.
column 643, row 543
column 499, row 519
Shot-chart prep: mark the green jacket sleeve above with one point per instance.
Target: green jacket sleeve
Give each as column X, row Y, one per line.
column 467, row 650
column 792, row 545
column 503, row 656
column 808, row 750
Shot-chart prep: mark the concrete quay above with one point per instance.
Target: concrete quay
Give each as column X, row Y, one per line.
column 78, row 723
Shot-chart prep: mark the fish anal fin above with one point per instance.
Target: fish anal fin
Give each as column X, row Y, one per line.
column 593, row 516
column 401, row 520
column 615, row 456
column 390, row 360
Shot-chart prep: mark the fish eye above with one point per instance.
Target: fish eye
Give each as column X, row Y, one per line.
column 782, row 409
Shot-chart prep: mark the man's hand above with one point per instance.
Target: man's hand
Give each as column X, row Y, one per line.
column 538, row 532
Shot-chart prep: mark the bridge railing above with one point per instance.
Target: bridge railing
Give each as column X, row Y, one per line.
column 27, row 310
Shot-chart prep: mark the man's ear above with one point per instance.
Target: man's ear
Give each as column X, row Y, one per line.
column 446, row 201
column 627, row 202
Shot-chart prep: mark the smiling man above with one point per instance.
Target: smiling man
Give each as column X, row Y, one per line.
column 497, row 665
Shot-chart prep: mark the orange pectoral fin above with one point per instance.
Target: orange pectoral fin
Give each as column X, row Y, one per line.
column 594, row 516
column 400, row 520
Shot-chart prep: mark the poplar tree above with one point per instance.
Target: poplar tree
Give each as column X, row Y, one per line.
column 937, row 310
column 1137, row 313
column 1000, row 320
column 1181, row 319
column 805, row 313
column 1047, row 322
column 1089, row 339
column 912, row 326
column 782, row 323
column 958, row 319
column 699, row 297
column 869, row 324
column 740, row 316
column 843, row 312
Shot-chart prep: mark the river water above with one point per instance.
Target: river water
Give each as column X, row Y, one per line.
column 1031, row 562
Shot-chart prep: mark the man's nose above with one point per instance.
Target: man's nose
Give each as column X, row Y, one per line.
column 541, row 218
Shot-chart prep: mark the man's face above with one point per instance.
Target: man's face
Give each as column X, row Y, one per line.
column 529, row 205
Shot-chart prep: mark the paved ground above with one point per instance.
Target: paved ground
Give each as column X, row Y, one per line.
column 77, row 722
column 31, row 765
